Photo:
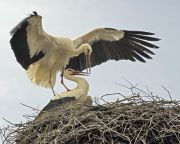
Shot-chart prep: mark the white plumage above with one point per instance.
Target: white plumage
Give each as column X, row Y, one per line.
column 43, row 55
column 76, row 97
column 52, row 54
column 80, row 91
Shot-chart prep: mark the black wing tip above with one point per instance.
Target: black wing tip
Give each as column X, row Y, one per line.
column 107, row 28
column 34, row 13
column 135, row 60
column 156, row 47
column 139, row 32
column 18, row 26
column 142, row 60
column 149, row 57
column 158, row 39
column 142, row 35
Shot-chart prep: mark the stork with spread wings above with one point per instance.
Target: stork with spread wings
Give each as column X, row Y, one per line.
column 43, row 55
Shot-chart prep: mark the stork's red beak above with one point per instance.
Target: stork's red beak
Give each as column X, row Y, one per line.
column 88, row 63
column 80, row 73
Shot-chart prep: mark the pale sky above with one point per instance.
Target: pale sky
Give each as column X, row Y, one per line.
column 72, row 18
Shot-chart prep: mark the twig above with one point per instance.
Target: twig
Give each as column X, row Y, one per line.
column 167, row 92
column 138, row 118
column 9, row 122
column 34, row 109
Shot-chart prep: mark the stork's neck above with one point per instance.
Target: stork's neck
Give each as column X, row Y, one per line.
column 82, row 49
column 81, row 82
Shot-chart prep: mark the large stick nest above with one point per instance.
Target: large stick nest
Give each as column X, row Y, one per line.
column 139, row 119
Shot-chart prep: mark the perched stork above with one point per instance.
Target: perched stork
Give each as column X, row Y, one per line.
column 81, row 89
column 78, row 95
column 43, row 56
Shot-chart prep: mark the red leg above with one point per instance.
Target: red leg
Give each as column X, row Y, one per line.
column 50, row 82
column 62, row 80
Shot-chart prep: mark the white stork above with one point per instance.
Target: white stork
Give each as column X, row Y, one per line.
column 77, row 95
column 82, row 88
column 43, row 55
column 40, row 54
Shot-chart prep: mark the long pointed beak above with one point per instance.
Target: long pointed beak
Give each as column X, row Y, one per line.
column 88, row 63
column 80, row 73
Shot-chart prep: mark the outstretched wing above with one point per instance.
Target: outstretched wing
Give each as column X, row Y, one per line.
column 111, row 44
column 28, row 41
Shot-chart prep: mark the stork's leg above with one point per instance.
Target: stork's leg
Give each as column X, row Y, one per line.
column 50, row 82
column 62, row 80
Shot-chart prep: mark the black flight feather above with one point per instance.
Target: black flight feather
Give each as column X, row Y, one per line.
column 20, row 46
column 135, row 45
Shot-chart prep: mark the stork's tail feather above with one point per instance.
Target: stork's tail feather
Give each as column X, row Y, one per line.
column 40, row 75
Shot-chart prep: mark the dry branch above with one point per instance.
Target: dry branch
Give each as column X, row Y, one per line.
column 139, row 119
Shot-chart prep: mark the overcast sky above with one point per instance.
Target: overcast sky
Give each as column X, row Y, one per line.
column 72, row 18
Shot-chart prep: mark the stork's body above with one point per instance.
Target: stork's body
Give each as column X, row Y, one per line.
column 54, row 61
